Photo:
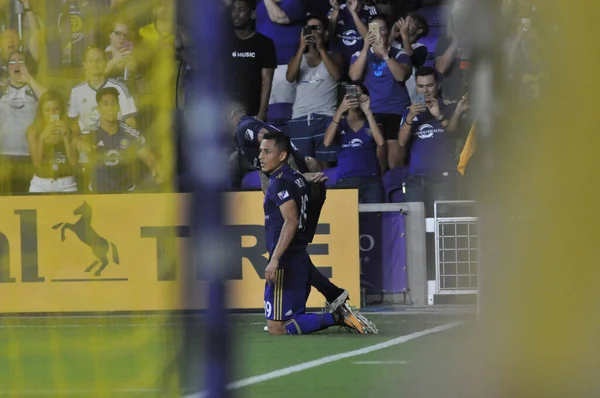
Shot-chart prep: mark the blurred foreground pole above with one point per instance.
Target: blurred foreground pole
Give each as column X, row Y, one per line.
column 204, row 142
column 538, row 160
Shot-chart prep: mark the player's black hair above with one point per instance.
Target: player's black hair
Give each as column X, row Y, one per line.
column 106, row 91
column 421, row 23
column 282, row 142
column 323, row 21
column 427, row 71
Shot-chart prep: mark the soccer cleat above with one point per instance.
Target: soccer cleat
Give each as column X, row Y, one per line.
column 335, row 304
column 349, row 319
column 367, row 324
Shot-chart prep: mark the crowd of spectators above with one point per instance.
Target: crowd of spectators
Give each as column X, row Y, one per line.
column 376, row 91
column 301, row 58
column 90, row 109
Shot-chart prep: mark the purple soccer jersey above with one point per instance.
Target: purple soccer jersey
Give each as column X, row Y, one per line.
column 287, row 297
column 387, row 94
column 284, row 185
column 357, row 156
column 431, row 150
column 347, row 39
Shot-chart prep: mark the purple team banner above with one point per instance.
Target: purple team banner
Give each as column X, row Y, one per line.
column 383, row 252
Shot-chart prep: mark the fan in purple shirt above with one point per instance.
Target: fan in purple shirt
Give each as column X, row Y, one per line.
column 384, row 71
column 433, row 129
column 348, row 25
column 359, row 138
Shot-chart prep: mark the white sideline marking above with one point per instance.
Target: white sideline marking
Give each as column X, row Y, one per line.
column 381, row 362
column 328, row 359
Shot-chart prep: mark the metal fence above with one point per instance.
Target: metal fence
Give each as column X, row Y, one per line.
column 456, row 247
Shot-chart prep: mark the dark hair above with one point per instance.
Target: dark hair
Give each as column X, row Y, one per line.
column 250, row 3
column 427, row 71
column 106, row 91
column 51, row 95
column 323, row 21
column 282, row 141
column 380, row 17
column 344, row 89
column 421, row 23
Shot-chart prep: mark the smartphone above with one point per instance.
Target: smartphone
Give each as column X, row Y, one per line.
column 309, row 30
column 352, row 91
column 420, row 99
column 55, row 118
column 306, row 31
column 128, row 46
column 374, row 28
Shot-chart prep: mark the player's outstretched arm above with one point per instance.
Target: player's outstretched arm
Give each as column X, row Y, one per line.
column 289, row 212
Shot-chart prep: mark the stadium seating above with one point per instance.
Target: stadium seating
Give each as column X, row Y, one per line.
column 392, row 184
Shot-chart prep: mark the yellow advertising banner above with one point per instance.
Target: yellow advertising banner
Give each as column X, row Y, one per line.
column 128, row 252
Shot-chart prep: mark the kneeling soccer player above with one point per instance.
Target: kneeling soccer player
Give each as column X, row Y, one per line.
column 248, row 133
column 287, row 274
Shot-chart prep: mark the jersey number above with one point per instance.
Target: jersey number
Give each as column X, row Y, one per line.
column 303, row 215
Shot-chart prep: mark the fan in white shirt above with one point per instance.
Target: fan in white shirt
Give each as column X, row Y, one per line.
column 18, row 105
column 82, row 103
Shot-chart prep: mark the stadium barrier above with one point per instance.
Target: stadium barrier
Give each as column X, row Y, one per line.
column 456, row 248
column 98, row 253
column 393, row 253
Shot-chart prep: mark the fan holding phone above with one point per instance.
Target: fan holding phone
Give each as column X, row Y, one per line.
column 355, row 132
column 315, row 72
column 384, row 70
column 121, row 63
column 52, row 147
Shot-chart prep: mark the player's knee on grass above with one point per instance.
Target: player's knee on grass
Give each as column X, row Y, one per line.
column 276, row 328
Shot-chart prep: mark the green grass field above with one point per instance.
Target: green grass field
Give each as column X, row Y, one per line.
column 135, row 356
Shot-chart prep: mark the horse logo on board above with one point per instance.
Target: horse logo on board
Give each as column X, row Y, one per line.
column 84, row 231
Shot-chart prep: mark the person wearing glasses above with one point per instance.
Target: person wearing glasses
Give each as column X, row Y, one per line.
column 10, row 41
column 121, row 63
column 17, row 111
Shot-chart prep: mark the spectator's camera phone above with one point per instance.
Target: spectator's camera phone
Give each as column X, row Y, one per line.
column 308, row 30
column 352, row 92
column 420, row 99
column 55, row 118
column 128, row 46
column 374, row 28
